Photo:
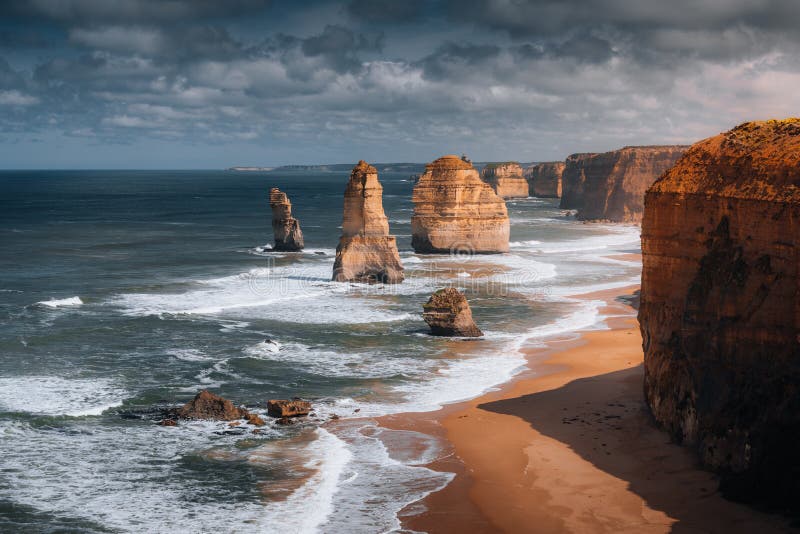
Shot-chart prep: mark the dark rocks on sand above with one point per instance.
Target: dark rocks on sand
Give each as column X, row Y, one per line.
column 288, row 408
column 447, row 313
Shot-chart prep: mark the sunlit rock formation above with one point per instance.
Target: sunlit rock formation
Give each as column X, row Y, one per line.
column 544, row 179
column 455, row 211
column 506, row 179
column 447, row 313
column 720, row 306
column 286, row 228
column 366, row 251
column 611, row 186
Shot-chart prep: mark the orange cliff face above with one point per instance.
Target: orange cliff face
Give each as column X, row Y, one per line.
column 366, row 251
column 454, row 210
column 286, row 229
column 611, row 186
column 506, row 179
column 544, row 179
column 720, row 306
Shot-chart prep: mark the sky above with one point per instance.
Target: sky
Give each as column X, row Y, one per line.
column 205, row 84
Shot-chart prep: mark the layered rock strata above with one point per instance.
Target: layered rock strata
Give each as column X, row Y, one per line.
column 455, row 211
column 286, row 228
column 720, row 306
column 288, row 408
column 366, row 251
column 506, row 179
column 447, row 313
column 611, row 186
column 544, row 179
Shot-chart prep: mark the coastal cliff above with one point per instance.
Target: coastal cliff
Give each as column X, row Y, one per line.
column 506, row 179
column 572, row 180
column 366, row 251
column 455, row 211
column 720, row 306
column 544, row 179
column 285, row 228
column 611, row 186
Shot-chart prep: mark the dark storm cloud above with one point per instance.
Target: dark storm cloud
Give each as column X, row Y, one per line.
column 518, row 79
column 129, row 11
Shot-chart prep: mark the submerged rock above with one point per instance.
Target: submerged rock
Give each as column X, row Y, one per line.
column 447, row 313
column 456, row 212
column 288, row 408
column 506, row 179
column 286, row 228
column 720, row 306
column 206, row 405
column 544, row 179
column 366, row 251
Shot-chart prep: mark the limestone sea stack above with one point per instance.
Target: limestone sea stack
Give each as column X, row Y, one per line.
column 572, row 180
column 611, row 186
column 454, row 210
column 366, row 251
column 286, row 228
column 447, row 313
column 544, row 179
column 720, row 306
column 506, row 179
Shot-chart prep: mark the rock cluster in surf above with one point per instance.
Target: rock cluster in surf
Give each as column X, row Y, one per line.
column 286, row 228
column 506, row 179
column 455, row 211
column 720, row 306
column 447, row 313
column 544, row 179
column 611, row 186
column 366, row 252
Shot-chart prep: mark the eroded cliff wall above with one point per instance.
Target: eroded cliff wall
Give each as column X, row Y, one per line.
column 544, row 179
column 720, row 306
column 506, row 179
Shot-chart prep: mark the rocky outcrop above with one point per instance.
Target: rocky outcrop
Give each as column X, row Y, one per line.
column 611, row 186
column 288, row 408
column 286, row 228
column 506, row 179
column 366, row 251
column 447, row 313
column 720, row 306
column 573, row 179
column 455, row 211
column 206, row 405
column 544, row 179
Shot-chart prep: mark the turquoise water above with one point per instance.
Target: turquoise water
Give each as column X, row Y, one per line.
column 125, row 292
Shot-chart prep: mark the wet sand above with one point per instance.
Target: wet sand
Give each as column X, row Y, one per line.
column 569, row 446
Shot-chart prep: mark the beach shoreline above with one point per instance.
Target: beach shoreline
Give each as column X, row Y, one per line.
column 568, row 445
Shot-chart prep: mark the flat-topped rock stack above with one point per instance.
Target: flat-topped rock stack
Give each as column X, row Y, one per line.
column 544, row 179
column 456, row 211
column 506, row 179
column 286, row 228
column 366, row 251
column 720, row 306
column 611, row 186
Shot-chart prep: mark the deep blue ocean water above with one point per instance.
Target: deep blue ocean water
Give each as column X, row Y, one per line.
column 121, row 291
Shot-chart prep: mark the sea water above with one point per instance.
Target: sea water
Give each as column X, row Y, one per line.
column 121, row 291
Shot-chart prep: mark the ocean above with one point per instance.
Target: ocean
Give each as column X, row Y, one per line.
column 122, row 292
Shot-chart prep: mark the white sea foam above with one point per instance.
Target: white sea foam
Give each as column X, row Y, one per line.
column 615, row 237
column 307, row 507
column 189, row 355
column 58, row 303
column 51, row 395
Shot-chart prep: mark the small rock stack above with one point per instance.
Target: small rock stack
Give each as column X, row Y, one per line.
column 506, row 179
column 447, row 313
column 286, row 228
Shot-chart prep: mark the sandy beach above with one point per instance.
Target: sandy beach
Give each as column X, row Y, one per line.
column 569, row 446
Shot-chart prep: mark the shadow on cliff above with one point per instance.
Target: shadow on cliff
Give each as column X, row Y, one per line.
column 605, row 421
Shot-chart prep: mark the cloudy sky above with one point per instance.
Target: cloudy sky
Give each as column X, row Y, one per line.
column 211, row 84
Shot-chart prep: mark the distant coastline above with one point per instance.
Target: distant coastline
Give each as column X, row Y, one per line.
column 414, row 168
